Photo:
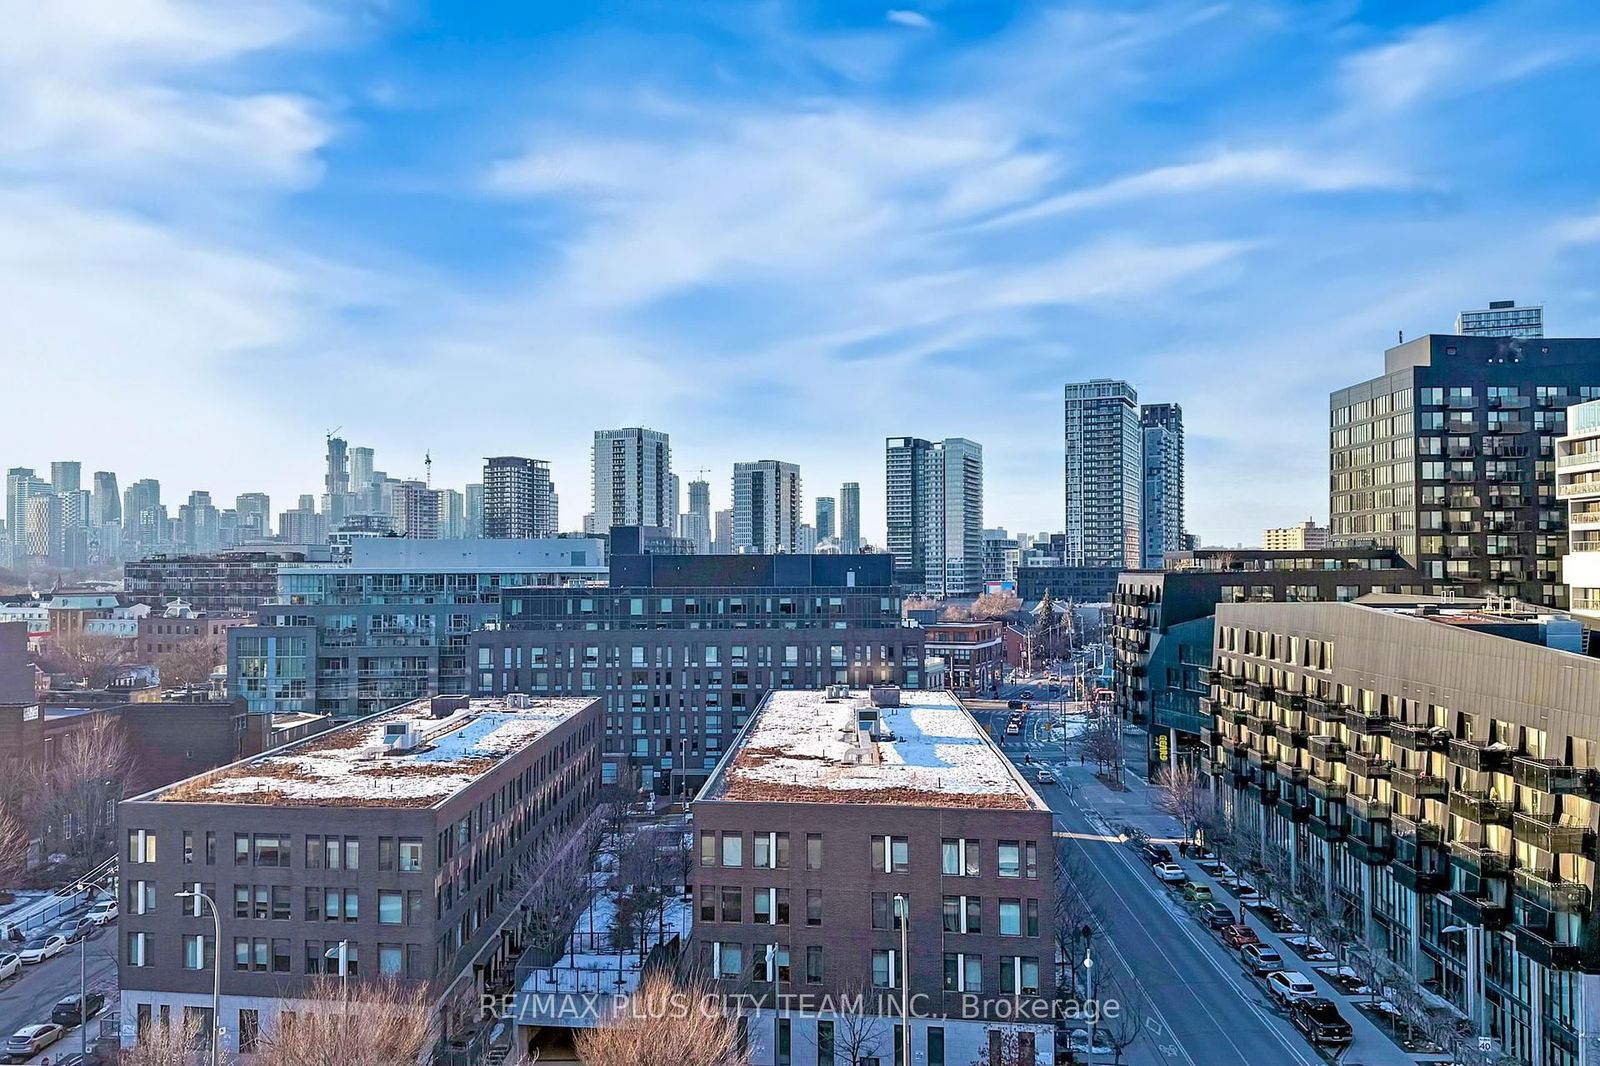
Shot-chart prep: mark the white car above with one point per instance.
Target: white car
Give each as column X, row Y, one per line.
column 9, row 965
column 42, row 947
column 1170, row 872
column 104, row 912
column 1287, row 986
column 30, row 1040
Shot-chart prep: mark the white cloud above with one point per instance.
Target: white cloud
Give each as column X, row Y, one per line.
column 1575, row 230
column 1281, row 168
column 914, row 19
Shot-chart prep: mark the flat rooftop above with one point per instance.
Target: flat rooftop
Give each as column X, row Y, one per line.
column 348, row 767
column 805, row 747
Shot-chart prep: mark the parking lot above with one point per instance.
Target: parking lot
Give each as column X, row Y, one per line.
column 27, row 997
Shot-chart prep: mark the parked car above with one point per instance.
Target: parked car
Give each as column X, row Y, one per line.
column 1286, row 986
column 1197, row 893
column 1078, row 1039
column 104, row 913
column 1320, row 1020
column 68, row 1013
column 1261, row 959
column 28, row 1041
column 1170, row 872
column 1238, row 935
column 75, row 929
column 1154, row 853
column 42, row 947
column 1027, row 694
column 1218, row 916
column 1045, row 777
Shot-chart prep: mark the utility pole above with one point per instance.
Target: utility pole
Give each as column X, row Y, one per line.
column 216, row 971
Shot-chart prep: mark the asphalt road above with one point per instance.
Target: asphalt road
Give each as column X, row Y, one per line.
column 27, row 998
column 1199, row 1008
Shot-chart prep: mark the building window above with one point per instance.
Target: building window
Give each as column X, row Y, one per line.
column 732, row 849
column 199, row 951
column 814, row 964
column 885, row 968
column 391, row 907
column 391, row 960
column 963, row 972
column 771, row 851
column 1010, row 858
column 959, row 857
column 964, row 914
column 891, row 854
column 936, row 1045
column 813, row 851
column 141, row 846
column 728, row 961
column 1019, row 975
column 1011, row 917
column 410, row 855
column 708, row 849
column 138, row 949
column 813, row 906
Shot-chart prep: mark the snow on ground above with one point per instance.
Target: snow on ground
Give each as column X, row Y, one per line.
column 804, row 739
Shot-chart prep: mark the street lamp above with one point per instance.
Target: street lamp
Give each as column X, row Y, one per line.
column 1094, row 1015
column 902, row 910
column 216, row 972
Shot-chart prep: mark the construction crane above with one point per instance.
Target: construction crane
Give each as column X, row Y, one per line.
column 427, row 462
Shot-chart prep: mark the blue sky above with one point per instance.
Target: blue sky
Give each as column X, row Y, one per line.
column 775, row 230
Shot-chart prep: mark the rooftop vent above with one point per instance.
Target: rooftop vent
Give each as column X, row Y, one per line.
column 837, row 692
column 520, row 701
column 445, row 706
column 885, row 695
column 401, row 737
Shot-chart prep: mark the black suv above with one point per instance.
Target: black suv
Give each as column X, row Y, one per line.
column 68, row 1014
column 1320, row 1020
column 1154, row 853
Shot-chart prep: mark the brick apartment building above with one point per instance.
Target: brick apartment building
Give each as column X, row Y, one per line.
column 392, row 842
column 835, row 805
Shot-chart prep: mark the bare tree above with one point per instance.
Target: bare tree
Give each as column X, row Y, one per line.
column 858, row 1036
column 996, row 605
column 956, row 612
column 553, row 885
column 339, row 1022
column 191, row 662
column 647, row 878
column 1076, row 908
column 1124, row 1026
column 14, row 841
column 1102, row 743
column 94, row 658
column 87, row 779
column 664, row 1023
column 173, row 1044
column 1181, row 792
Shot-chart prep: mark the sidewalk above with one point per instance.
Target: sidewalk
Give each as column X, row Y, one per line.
column 1137, row 808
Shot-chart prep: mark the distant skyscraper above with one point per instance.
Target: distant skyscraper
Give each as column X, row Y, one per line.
column 935, row 514
column 1502, row 318
column 631, row 471
column 45, row 542
column 66, row 476
column 452, row 513
column 199, row 522
column 675, row 498
column 850, row 517
column 1104, row 475
column 766, row 507
column 255, row 514
column 806, row 539
column 1162, row 428
column 362, row 477
column 474, row 510
column 143, row 518
column 518, row 498
column 336, row 502
column 722, row 537
column 415, row 511
column 695, row 524
column 303, row 525
column 21, row 484
column 825, row 506
column 107, row 509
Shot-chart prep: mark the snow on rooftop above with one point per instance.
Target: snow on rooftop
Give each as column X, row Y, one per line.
column 347, row 767
column 804, row 747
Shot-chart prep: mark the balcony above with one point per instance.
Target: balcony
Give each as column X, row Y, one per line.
column 1417, row 785
column 1367, row 764
column 1480, row 757
column 1330, row 749
column 1421, row 880
column 1291, row 701
column 1368, row 725
column 1261, row 690
column 1484, row 911
column 1541, row 886
column 1477, row 807
column 1508, row 403
column 1331, row 791
column 1539, row 944
column 1508, row 428
column 1550, row 775
column 1423, row 833
column 1292, row 775
column 1236, row 684
column 1367, row 807
column 1484, row 861
column 1262, row 761
column 1293, row 807
column 1324, row 828
column 1414, row 737
column 1548, row 834
column 1213, row 676
column 1369, row 852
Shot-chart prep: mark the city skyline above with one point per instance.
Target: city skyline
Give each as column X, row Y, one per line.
column 396, row 227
